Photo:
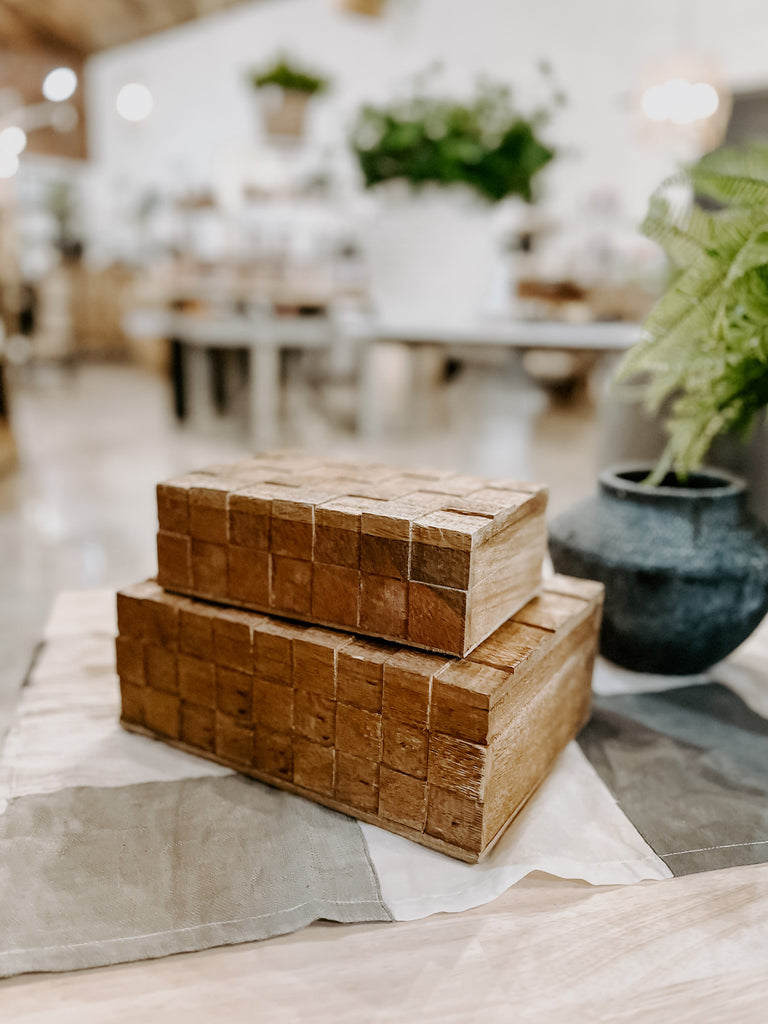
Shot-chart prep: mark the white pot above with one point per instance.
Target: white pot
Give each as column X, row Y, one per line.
column 431, row 255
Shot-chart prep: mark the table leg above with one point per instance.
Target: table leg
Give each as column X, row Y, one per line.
column 197, row 381
column 265, row 393
column 424, row 380
column 381, row 386
column 387, row 386
column 216, row 369
column 177, row 379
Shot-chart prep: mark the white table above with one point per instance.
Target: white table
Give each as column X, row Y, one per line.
column 264, row 337
column 370, row 335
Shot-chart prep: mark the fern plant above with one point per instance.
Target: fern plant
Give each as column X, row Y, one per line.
column 704, row 348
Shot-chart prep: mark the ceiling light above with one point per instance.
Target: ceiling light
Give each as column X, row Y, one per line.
column 59, row 84
column 13, row 140
column 9, row 164
column 680, row 101
column 705, row 99
column 686, row 106
column 134, row 102
column 654, row 103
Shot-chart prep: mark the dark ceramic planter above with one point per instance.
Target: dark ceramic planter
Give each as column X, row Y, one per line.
column 685, row 568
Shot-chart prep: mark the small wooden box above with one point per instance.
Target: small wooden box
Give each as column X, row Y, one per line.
column 440, row 750
column 433, row 560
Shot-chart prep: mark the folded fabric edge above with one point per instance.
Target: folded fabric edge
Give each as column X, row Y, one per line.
column 412, row 908
column 101, row 953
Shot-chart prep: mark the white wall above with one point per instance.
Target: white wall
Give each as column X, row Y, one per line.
column 600, row 50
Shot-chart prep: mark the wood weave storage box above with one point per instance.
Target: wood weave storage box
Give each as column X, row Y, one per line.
column 440, row 750
column 432, row 560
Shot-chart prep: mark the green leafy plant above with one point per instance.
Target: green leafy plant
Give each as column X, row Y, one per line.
column 704, row 350
column 486, row 143
column 289, row 76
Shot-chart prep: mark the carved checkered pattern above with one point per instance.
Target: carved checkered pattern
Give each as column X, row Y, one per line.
column 441, row 750
column 434, row 560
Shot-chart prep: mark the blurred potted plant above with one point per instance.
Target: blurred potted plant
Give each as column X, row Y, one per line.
column 438, row 166
column 685, row 564
column 286, row 89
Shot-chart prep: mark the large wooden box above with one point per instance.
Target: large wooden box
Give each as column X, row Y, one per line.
column 432, row 560
column 441, row 750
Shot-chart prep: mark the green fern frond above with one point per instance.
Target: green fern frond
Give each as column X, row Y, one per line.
column 685, row 231
column 704, row 348
column 674, row 328
column 752, row 255
column 731, row 229
column 683, row 238
column 727, row 189
column 738, row 161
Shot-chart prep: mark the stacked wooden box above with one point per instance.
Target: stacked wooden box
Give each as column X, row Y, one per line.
column 443, row 747
column 434, row 560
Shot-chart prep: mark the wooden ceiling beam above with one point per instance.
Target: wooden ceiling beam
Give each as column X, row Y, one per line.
column 22, row 70
column 38, row 35
column 27, row 25
column 20, row 29
column 85, row 26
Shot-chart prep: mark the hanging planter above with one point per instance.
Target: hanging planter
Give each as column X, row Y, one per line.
column 285, row 91
column 283, row 112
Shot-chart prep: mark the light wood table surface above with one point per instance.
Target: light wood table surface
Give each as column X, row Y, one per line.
column 687, row 949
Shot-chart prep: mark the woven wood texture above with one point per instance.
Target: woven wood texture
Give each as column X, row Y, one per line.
column 440, row 750
column 434, row 560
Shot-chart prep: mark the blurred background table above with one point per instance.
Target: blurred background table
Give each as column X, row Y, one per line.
column 200, row 342
column 576, row 345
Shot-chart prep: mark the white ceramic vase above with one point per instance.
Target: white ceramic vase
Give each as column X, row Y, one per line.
column 431, row 255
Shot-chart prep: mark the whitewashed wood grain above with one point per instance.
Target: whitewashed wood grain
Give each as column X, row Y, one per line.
column 686, row 949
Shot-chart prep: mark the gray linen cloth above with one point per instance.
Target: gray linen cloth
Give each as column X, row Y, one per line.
column 93, row 876
column 689, row 768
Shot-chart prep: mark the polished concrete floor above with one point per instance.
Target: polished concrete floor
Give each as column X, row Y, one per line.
column 78, row 511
